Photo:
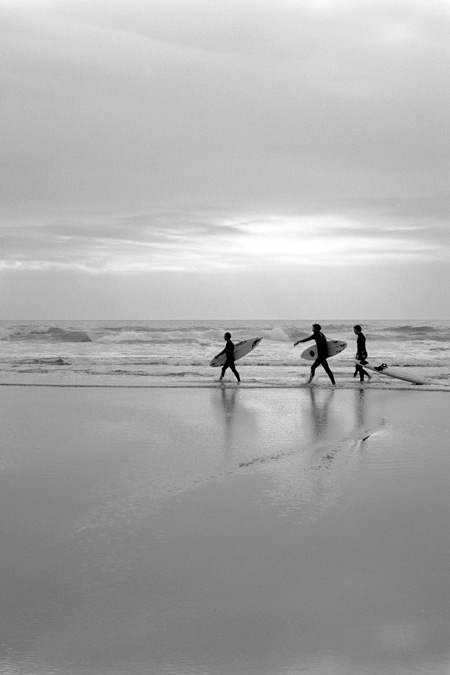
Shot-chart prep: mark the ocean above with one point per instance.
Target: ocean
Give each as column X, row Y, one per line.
column 176, row 353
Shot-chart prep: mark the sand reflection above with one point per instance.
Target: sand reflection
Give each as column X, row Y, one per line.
column 228, row 400
column 236, row 423
column 325, row 453
column 319, row 411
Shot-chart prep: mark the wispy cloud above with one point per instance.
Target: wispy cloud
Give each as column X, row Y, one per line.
column 191, row 242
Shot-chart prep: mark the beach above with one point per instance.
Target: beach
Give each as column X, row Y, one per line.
column 224, row 531
column 225, row 338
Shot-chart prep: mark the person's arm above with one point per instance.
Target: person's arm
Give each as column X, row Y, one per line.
column 229, row 350
column 311, row 337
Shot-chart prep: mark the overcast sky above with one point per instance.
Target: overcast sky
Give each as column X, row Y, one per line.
column 225, row 159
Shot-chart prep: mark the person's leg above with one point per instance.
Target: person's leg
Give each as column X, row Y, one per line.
column 359, row 371
column 313, row 369
column 236, row 374
column 326, row 368
column 224, row 367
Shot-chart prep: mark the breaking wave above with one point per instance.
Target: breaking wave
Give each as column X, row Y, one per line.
column 50, row 334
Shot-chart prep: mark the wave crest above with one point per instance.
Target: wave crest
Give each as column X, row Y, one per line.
column 49, row 334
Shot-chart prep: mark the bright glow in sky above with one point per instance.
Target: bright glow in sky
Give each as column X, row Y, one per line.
column 226, row 159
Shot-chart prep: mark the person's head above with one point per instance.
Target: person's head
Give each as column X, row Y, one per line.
column 317, row 326
column 227, row 336
column 357, row 329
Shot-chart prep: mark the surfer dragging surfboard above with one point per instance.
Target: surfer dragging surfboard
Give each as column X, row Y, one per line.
column 322, row 352
column 229, row 363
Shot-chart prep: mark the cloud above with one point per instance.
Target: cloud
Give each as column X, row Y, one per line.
column 196, row 242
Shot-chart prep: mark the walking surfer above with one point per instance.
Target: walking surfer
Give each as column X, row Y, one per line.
column 229, row 353
column 361, row 353
column 322, row 352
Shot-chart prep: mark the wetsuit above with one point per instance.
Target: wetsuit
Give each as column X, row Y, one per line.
column 361, row 355
column 322, row 354
column 229, row 363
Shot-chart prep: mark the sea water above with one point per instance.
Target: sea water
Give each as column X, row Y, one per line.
column 177, row 352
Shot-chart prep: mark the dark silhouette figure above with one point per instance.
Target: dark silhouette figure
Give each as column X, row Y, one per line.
column 322, row 352
column 229, row 363
column 361, row 353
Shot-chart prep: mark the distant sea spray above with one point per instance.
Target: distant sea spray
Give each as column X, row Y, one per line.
column 134, row 334
column 45, row 334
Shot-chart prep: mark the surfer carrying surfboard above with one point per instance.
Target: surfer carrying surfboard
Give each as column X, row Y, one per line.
column 322, row 352
column 229, row 353
column 361, row 353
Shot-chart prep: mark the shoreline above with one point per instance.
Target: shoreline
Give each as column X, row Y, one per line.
column 443, row 388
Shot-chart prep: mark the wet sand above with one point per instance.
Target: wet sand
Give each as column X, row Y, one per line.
column 224, row 531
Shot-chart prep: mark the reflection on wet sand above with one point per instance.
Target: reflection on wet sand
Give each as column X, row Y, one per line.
column 228, row 399
column 310, row 454
column 237, row 424
column 319, row 413
column 325, row 453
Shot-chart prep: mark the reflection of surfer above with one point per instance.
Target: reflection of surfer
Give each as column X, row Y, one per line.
column 365, row 428
column 229, row 353
column 322, row 352
column 228, row 405
column 360, row 408
column 361, row 353
column 320, row 414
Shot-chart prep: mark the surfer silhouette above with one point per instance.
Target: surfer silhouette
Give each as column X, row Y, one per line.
column 322, row 352
column 229, row 353
column 361, row 353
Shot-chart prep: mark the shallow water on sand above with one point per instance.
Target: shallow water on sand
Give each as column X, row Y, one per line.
column 224, row 531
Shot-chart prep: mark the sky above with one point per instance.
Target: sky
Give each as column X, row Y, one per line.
column 225, row 159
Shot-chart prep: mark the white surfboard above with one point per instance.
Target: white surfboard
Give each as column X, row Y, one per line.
column 397, row 373
column 240, row 350
column 334, row 347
